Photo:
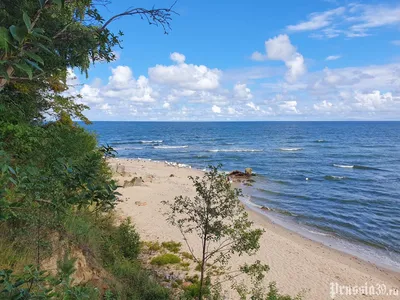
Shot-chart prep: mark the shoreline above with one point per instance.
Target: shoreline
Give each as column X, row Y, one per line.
column 368, row 254
column 297, row 262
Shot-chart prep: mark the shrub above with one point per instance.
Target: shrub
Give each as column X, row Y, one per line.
column 165, row 259
column 128, row 240
column 187, row 255
column 172, row 246
column 153, row 246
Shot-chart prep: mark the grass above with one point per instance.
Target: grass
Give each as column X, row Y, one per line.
column 165, row 259
column 172, row 246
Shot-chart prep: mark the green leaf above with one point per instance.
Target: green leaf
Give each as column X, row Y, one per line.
column 33, row 64
column 25, row 68
column 35, row 57
column 38, row 30
column 43, row 47
column 41, row 36
column 12, row 170
column 27, row 21
column 18, row 33
column 4, row 38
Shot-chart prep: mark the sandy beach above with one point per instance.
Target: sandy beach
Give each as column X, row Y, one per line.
column 297, row 263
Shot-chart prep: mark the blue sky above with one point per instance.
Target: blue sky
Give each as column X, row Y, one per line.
column 251, row 60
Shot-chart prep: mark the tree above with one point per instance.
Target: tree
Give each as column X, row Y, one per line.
column 220, row 221
column 40, row 39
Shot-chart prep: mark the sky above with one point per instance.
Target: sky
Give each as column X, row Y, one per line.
column 250, row 60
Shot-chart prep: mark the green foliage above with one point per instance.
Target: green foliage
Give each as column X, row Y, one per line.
column 152, row 246
column 165, row 259
column 187, row 255
column 172, row 246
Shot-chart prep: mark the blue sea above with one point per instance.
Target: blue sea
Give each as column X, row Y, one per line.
column 336, row 182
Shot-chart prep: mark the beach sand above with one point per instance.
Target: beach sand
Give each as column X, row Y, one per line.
column 296, row 263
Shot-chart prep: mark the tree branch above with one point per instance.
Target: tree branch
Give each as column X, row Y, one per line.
column 158, row 16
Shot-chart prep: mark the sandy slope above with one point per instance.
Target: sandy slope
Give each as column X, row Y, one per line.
column 297, row 263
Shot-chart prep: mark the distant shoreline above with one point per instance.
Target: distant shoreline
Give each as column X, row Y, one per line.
column 296, row 262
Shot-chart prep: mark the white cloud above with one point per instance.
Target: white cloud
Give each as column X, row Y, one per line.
column 258, row 56
column 178, row 57
column 166, row 105
column 90, row 94
column 253, row 106
column 396, row 42
column 185, row 76
column 317, row 20
column 333, row 57
column 122, row 85
column 280, row 48
column 323, row 106
column 372, row 101
column 353, row 20
column 232, row 111
column 216, row 109
column 371, row 16
column 289, row 107
column 241, row 91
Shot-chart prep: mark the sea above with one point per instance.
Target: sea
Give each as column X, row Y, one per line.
column 334, row 182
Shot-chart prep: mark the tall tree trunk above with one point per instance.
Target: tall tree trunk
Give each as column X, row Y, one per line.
column 203, row 264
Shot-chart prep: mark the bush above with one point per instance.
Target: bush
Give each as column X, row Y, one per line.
column 172, row 246
column 128, row 240
column 165, row 259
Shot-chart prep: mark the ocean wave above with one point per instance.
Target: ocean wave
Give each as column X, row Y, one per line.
column 355, row 167
column 170, row 147
column 151, row 142
column 128, row 148
column 290, row 149
column 235, row 150
column 343, row 166
column 320, row 141
column 331, row 177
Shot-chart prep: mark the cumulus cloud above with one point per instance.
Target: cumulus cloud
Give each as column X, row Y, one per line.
column 241, row 91
column 185, row 76
column 323, row 106
column 90, row 94
column 372, row 101
column 280, row 48
column 166, row 105
column 122, row 85
column 178, row 57
column 333, row 57
column 289, row 107
column 216, row 109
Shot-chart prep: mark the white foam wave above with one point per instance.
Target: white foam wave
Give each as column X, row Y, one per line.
column 170, row 147
column 151, row 142
column 175, row 164
column 235, row 150
column 128, row 148
column 290, row 149
column 343, row 166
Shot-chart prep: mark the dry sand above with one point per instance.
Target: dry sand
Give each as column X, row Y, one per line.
column 296, row 263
